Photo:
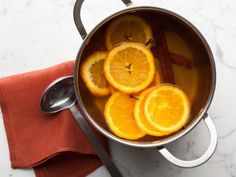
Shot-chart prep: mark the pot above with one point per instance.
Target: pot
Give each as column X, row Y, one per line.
column 204, row 93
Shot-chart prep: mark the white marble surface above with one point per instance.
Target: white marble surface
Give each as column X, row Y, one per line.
column 35, row 34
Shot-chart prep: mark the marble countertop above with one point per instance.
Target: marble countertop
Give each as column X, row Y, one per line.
column 36, row 34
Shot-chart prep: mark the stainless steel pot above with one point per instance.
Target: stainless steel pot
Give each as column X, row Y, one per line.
column 204, row 95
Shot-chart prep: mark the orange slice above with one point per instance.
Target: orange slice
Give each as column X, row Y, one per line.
column 128, row 28
column 156, row 81
column 119, row 115
column 129, row 67
column 93, row 76
column 167, row 108
column 140, row 118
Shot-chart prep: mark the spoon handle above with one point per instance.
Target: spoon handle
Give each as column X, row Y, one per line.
column 102, row 154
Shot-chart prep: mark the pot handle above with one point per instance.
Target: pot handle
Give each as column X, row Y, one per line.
column 77, row 17
column 200, row 160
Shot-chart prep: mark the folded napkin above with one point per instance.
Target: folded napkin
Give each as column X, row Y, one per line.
column 53, row 144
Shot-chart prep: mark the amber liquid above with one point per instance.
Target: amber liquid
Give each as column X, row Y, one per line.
column 180, row 40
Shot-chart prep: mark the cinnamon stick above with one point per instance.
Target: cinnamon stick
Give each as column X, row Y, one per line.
column 165, row 61
column 175, row 59
column 180, row 60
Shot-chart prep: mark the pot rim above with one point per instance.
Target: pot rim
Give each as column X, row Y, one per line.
column 175, row 136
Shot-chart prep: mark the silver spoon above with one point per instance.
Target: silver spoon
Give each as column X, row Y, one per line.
column 60, row 95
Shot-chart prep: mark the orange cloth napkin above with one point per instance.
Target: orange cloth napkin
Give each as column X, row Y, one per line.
column 53, row 144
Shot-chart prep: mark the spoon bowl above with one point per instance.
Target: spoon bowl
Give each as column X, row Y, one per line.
column 58, row 96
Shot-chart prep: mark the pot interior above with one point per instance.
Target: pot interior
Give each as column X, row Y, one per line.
column 182, row 39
